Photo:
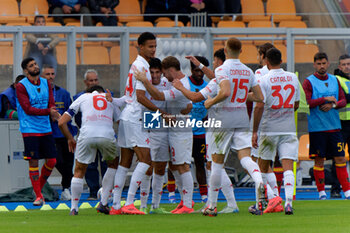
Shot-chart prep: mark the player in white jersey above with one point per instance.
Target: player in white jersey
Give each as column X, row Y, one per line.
column 180, row 139
column 211, row 90
column 159, row 146
column 96, row 133
column 131, row 135
column 230, row 109
column 272, row 187
column 277, row 126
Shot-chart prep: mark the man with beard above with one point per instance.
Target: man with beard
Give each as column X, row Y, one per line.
column 325, row 96
column 35, row 106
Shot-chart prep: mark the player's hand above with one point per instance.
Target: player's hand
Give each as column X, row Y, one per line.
column 208, row 103
column 71, row 145
column 140, row 75
column 255, row 140
column 331, row 99
column 40, row 46
column 45, row 51
column 193, row 60
column 67, row 9
column 326, row 107
column 177, row 84
column 54, row 114
column 77, row 7
column 109, row 96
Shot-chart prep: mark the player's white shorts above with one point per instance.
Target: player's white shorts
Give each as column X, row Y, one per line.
column 87, row 147
column 224, row 139
column 132, row 134
column 254, row 152
column 159, row 146
column 286, row 146
column 180, row 146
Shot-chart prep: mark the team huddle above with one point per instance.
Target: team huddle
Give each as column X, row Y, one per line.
column 270, row 130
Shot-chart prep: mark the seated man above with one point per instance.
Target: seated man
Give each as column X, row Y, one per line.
column 60, row 7
column 44, row 52
column 8, row 108
column 105, row 7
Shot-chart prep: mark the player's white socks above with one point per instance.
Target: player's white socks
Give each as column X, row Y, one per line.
column 107, row 184
column 187, row 188
column 227, row 189
column 119, row 182
column 271, row 180
column 254, row 172
column 135, row 182
column 178, row 181
column 252, row 168
column 215, row 183
column 288, row 178
column 157, row 187
column 144, row 190
column 270, row 193
column 76, row 189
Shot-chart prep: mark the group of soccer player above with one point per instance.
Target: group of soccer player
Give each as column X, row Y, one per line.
column 272, row 130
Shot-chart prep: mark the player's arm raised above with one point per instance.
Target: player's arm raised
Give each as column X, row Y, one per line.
column 208, row 72
column 62, row 124
column 141, row 76
column 193, row 96
column 225, row 92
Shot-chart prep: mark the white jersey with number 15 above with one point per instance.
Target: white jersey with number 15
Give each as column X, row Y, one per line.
column 233, row 110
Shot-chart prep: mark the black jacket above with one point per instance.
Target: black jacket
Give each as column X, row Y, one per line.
column 95, row 5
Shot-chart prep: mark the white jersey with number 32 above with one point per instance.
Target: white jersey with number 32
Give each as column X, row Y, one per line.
column 281, row 90
column 233, row 110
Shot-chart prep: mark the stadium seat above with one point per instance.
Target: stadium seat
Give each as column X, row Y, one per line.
column 304, row 53
column 162, row 19
column 253, row 7
column 129, row 7
column 260, row 24
column 115, row 54
column 9, row 12
column 283, row 49
column 249, row 54
column 139, row 24
column 169, row 24
column 274, row 7
column 231, row 24
column 8, row 59
column 9, row 35
column 293, row 24
column 94, row 55
column 29, row 8
column 62, row 55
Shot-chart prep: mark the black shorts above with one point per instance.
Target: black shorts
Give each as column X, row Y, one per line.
column 326, row 145
column 39, row 147
column 199, row 148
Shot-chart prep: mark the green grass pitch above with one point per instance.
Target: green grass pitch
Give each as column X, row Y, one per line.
column 330, row 216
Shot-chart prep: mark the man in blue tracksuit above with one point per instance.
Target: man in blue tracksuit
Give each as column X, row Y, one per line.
column 8, row 108
column 65, row 159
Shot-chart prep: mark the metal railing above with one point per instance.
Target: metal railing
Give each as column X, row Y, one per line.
column 208, row 34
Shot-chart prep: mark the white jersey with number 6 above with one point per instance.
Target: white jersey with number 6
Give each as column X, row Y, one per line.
column 281, row 90
column 233, row 110
column 97, row 115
